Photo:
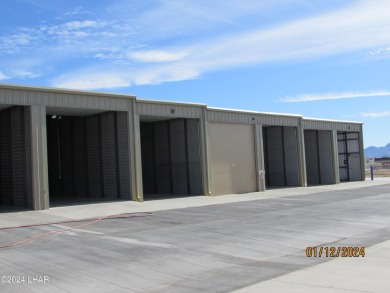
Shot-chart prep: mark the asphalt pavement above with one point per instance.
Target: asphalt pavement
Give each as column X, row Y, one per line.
column 254, row 242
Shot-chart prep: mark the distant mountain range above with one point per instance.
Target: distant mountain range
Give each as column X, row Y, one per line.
column 377, row 152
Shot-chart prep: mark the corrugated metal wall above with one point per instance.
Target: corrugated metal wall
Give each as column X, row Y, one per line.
column 171, row 157
column 88, row 157
column 232, row 158
column 236, row 117
column 281, row 156
column 319, row 162
column 15, row 157
column 326, row 162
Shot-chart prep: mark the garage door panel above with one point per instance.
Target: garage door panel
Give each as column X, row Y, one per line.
column 325, row 156
column 311, row 154
column 291, row 156
column 275, row 156
column 232, row 158
column 195, row 169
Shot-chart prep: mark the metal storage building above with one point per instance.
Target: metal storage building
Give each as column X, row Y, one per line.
column 70, row 145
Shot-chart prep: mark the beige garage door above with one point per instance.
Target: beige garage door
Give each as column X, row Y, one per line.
column 232, row 157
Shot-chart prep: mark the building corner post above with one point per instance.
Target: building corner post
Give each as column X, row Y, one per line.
column 335, row 151
column 205, row 153
column 40, row 177
column 134, row 136
column 301, row 154
column 259, row 153
column 361, row 151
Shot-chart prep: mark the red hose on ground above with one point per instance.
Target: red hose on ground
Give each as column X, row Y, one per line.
column 90, row 222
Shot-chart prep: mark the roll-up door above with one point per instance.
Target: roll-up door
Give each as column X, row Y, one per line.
column 93, row 139
column 15, row 157
column 179, row 157
column 194, row 166
column 275, row 160
column 311, row 155
column 148, row 158
column 79, row 157
column 325, row 156
column 163, row 168
column 109, row 155
column 123, row 155
column 232, row 158
column 291, row 155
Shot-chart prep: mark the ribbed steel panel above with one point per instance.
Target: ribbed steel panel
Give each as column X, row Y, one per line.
column 163, row 168
column 28, row 171
column 147, row 152
column 66, row 141
column 325, row 156
column 123, row 148
column 330, row 125
column 275, row 156
column 78, row 156
column 53, row 151
column 67, row 100
column 168, row 110
column 5, row 146
column 15, row 159
column 93, row 157
column 311, row 154
column 250, row 118
column 109, row 159
column 178, row 155
column 291, row 156
column 194, row 156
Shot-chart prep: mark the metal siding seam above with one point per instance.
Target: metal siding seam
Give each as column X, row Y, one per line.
column 265, row 138
column 100, row 142
column 170, row 156
column 1, row 162
column 24, row 163
column 118, row 178
column 10, row 162
column 154, row 158
column 86, row 156
column 284, row 157
column 72, row 155
column 187, row 157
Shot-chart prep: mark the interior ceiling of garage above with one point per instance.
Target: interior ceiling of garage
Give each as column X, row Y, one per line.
column 4, row 106
column 72, row 112
column 154, row 118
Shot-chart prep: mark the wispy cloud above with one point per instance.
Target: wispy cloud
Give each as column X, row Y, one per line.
column 3, row 76
column 334, row 96
column 196, row 41
column 156, row 56
column 377, row 114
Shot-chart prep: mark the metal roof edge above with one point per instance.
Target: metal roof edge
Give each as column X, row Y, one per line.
column 151, row 101
column 254, row 112
column 65, row 91
column 332, row 120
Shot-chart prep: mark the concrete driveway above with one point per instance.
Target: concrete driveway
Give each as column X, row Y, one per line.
column 257, row 244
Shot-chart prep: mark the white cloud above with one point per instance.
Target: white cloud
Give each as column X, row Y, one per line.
column 95, row 79
column 334, row 96
column 208, row 41
column 156, row 56
column 377, row 115
column 82, row 24
column 3, row 76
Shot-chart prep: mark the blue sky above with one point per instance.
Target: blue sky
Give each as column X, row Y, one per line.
column 322, row 59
